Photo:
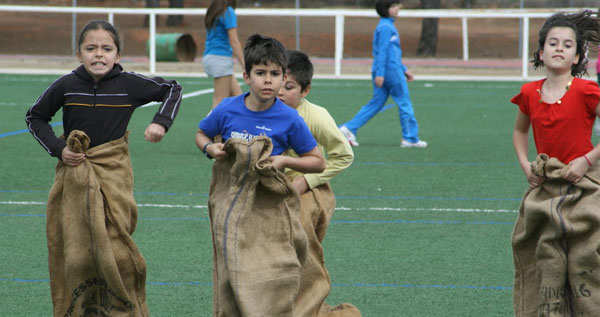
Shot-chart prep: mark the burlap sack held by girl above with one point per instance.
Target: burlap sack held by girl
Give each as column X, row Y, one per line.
column 95, row 267
column 556, row 244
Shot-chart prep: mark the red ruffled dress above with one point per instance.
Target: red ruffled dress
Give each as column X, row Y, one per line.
column 563, row 129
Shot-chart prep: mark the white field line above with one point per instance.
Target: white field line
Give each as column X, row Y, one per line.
column 464, row 210
column 185, row 96
column 173, row 206
column 26, row 203
column 467, row 210
column 31, row 203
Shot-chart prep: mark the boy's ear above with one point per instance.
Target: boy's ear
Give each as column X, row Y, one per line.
column 305, row 92
column 246, row 78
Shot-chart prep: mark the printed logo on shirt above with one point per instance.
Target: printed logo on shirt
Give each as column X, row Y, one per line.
column 394, row 38
column 263, row 128
column 244, row 135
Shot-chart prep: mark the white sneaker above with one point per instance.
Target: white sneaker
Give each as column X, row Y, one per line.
column 419, row 144
column 349, row 136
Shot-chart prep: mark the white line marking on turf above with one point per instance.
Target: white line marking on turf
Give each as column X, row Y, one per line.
column 466, row 210
column 172, row 206
column 473, row 210
column 29, row 203
column 185, row 96
column 26, row 203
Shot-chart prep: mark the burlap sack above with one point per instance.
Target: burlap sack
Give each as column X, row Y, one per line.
column 258, row 241
column 317, row 207
column 556, row 244
column 95, row 267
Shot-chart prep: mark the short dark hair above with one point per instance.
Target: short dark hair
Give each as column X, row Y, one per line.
column 383, row 7
column 299, row 66
column 586, row 28
column 260, row 50
column 100, row 25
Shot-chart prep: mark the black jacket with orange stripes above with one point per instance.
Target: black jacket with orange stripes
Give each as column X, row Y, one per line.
column 101, row 109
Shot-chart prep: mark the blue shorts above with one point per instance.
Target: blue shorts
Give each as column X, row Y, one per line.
column 217, row 66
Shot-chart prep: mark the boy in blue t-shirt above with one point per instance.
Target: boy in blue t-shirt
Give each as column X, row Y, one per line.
column 259, row 112
column 258, row 241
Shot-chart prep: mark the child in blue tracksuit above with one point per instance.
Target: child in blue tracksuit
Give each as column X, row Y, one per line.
column 389, row 78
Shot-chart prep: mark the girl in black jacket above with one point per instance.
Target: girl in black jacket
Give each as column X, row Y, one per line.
column 99, row 98
column 94, row 264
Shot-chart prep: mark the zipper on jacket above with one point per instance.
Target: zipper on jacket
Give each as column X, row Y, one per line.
column 95, row 88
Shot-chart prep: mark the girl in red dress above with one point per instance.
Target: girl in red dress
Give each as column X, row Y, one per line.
column 556, row 237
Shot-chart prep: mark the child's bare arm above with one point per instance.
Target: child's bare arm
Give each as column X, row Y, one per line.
column 521, row 144
column 300, row 184
column 309, row 162
column 205, row 144
column 236, row 46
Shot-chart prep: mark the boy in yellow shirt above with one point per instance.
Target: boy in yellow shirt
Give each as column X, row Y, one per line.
column 317, row 201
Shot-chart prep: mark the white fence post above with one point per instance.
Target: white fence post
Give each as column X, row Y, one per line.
column 152, row 40
column 525, row 52
column 339, row 44
column 465, row 39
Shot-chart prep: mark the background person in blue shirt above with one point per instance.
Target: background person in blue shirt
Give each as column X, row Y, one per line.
column 221, row 45
column 389, row 78
column 259, row 112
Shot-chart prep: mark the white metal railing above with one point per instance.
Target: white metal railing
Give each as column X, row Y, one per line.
column 339, row 15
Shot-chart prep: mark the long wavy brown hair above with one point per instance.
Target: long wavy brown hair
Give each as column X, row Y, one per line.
column 586, row 25
column 216, row 8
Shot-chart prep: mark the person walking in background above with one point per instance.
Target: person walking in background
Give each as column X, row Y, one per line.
column 221, row 45
column 390, row 77
column 95, row 266
column 556, row 236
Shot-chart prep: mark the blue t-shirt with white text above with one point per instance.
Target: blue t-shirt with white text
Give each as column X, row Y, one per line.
column 286, row 128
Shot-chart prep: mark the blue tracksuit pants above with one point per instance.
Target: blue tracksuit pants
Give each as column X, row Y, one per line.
column 396, row 86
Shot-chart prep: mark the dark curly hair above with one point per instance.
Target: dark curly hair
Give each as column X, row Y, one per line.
column 586, row 26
